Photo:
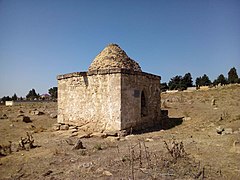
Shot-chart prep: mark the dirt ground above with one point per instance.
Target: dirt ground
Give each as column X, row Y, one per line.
column 187, row 146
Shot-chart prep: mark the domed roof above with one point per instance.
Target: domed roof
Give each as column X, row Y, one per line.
column 113, row 57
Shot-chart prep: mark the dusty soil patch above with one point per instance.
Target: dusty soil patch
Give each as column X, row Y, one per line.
column 193, row 121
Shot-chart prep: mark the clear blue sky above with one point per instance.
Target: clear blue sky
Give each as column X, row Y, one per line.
column 40, row 39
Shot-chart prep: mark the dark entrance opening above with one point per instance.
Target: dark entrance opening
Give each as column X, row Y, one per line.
column 143, row 105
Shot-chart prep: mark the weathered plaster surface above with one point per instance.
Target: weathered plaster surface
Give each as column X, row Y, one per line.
column 108, row 99
column 93, row 100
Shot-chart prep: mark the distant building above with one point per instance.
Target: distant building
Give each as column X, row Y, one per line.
column 45, row 97
column 114, row 94
column 203, row 88
column 172, row 91
column 9, row 103
column 191, row 89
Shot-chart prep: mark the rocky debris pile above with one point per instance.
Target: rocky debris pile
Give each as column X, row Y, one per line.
column 113, row 57
column 80, row 132
column 225, row 131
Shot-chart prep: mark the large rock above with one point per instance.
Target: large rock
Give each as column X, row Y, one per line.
column 36, row 112
column 26, row 119
column 64, row 127
column 98, row 134
column 56, row 127
column 219, row 129
column 78, row 145
column 213, row 102
column 107, row 173
column 53, row 116
column 112, row 133
column 122, row 133
column 20, row 115
column 4, row 116
column 187, row 118
column 227, row 131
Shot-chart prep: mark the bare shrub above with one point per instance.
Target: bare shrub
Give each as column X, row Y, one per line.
column 6, row 149
column 26, row 143
column 175, row 149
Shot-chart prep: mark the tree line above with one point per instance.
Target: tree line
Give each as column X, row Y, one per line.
column 183, row 82
column 33, row 95
column 176, row 83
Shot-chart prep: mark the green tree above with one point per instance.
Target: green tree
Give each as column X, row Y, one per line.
column 14, row 97
column 198, row 81
column 53, row 92
column 164, row 87
column 6, row 98
column 203, row 81
column 232, row 76
column 187, row 81
column 175, row 83
column 181, row 83
column 220, row 80
column 32, row 95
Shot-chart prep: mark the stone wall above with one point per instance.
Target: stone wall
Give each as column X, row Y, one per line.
column 140, row 100
column 109, row 99
column 90, row 100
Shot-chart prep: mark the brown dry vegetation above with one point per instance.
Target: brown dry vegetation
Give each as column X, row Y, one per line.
column 155, row 154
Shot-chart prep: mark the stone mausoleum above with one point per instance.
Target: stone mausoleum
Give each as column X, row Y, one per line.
column 114, row 94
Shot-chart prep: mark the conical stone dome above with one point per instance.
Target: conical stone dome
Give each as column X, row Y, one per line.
column 113, row 57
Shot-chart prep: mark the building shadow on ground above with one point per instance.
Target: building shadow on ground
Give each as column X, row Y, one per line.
column 167, row 123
